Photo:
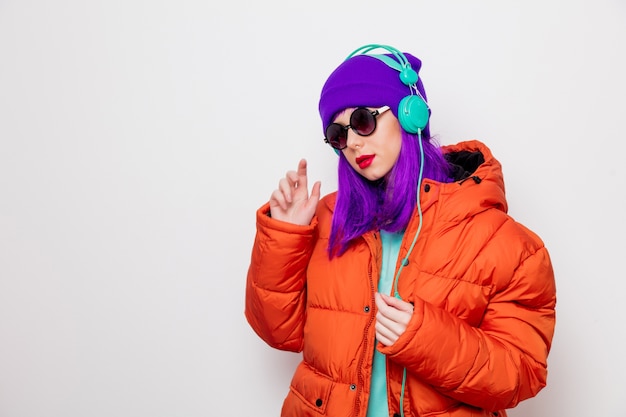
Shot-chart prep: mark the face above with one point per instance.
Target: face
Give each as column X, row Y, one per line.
column 375, row 155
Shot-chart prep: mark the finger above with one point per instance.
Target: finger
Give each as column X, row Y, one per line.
column 380, row 303
column 302, row 164
column 394, row 318
column 292, row 177
column 302, row 173
column 388, row 334
column 315, row 193
column 384, row 336
column 384, row 313
column 284, row 187
column 390, row 316
column 397, row 303
column 290, row 185
column 277, row 199
column 392, row 326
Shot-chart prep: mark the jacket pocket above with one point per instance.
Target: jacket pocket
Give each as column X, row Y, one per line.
column 311, row 388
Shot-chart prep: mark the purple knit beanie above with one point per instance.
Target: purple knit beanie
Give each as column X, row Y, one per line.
column 366, row 81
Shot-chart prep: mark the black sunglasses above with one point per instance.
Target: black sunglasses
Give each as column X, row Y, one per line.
column 362, row 122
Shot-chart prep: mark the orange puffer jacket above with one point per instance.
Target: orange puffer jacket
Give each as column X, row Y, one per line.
column 481, row 284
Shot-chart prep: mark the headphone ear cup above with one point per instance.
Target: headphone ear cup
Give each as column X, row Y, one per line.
column 413, row 114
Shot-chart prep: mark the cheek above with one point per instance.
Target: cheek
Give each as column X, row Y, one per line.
column 395, row 145
column 392, row 132
column 353, row 164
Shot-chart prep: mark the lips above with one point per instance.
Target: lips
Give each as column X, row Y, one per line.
column 364, row 161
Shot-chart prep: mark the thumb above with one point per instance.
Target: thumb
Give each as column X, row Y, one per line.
column 316, row 191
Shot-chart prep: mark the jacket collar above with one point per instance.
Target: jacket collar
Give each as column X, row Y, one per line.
column 479, row 187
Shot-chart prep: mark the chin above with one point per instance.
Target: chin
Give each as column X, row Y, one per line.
column 370, row 173
column 371, row 176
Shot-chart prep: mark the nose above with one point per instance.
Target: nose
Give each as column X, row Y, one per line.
column 354, row 141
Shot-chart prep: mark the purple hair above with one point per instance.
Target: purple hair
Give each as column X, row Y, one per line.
column 388, row 203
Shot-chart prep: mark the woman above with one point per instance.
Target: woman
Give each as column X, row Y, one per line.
column 409, row 291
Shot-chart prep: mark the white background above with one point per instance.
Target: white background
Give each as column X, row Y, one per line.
column 137, row 139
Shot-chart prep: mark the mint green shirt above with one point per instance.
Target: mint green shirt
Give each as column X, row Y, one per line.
column 377, row 404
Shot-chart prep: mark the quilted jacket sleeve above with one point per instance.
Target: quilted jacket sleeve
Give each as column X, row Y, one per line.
column 276, row 281
column 501, row 362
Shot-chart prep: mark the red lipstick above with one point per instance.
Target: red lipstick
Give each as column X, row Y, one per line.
column 364, row 161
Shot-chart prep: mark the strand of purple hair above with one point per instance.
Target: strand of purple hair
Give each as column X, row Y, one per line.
column 386, row 204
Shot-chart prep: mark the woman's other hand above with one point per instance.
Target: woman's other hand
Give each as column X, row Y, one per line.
column 392, row 318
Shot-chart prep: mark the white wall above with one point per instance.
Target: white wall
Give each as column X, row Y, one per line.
column 137, row 138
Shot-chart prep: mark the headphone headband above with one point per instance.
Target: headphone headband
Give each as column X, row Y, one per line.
column 413, row 111
column 366, row 49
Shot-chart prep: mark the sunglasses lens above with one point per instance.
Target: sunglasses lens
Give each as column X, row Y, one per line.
column 336, row 136
column 363, row 122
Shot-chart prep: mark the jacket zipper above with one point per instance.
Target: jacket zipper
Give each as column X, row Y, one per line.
column 360, row 378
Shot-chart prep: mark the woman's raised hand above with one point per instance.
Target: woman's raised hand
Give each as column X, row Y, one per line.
column 291, row 202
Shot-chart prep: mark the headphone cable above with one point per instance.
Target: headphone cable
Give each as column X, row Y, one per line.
column 405, row 261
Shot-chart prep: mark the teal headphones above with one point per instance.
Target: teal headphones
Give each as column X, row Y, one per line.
column 413, row 111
